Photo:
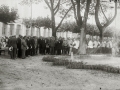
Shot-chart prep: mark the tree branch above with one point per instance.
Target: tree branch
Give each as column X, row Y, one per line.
column 82, row 1
column 63, row 2
column 58, row 4
column 63, row 18
column 53, row 1
column 103, row 13
column 86, row 11
column 97, row 14
column 48, row 4
column 56, row 10
column 74, row 9
column 78, row 13
column 115, row 14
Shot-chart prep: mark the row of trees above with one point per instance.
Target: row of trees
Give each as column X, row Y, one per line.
column 91, row 29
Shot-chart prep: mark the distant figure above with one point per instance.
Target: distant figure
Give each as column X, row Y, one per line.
column 24, row 47
column 19, row 46
column 90, row 46
column 65, row 45
column 110, row 46
column 103, row 46
column 52, row 46
column 71, row 46
column 76, row 46
column 0, row 46
column 96, row 45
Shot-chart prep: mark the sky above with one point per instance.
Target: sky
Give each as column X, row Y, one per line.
column 24, row 11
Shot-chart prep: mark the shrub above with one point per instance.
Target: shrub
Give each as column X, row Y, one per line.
column 49, row 59
column 61, row 62
column 93, row 67
column 76, row 65
column 80, row 65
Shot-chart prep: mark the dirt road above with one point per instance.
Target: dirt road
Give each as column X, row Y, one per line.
column 34, row 74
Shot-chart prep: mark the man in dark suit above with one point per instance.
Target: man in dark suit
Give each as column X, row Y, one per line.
column 19, row 46
column 13, row 43
column 47, row 45
column 56, row 46
column 30, row 46
column 36, row 44
column 33, row 46
column 59, row 46
column 52, row 46
column 43, row 46
column 24, row 47
column 39, row 44
column 28, row 51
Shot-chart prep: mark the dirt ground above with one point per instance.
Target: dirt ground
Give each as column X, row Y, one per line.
column 34, row 74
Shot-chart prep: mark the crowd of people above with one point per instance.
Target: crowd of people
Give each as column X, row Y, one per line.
column 94, row 46
column 24, row 46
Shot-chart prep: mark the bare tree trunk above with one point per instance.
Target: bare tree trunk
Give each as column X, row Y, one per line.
column 108, row 21
column 31, row 31
column 101, row 34
column 82, row 48
column 39, row 32
column 53, row 26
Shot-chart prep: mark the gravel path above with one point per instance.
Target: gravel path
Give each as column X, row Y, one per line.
column 34, row 74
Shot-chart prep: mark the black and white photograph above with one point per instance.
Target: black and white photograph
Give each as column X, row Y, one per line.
column 59, row 44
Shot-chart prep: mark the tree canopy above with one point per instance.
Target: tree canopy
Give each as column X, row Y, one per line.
column 38, row 22
column 8, row 15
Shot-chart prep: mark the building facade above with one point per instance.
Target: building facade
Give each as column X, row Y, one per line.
column 20, row 29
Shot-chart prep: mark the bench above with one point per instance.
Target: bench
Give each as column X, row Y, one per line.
column 2, row 50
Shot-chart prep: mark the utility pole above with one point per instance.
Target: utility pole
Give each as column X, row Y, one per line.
column 31, row 16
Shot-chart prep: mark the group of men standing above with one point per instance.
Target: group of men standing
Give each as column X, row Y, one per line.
column 17, row 47
column 23, row 47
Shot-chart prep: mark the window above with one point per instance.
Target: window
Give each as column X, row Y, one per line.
column 11, row 29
